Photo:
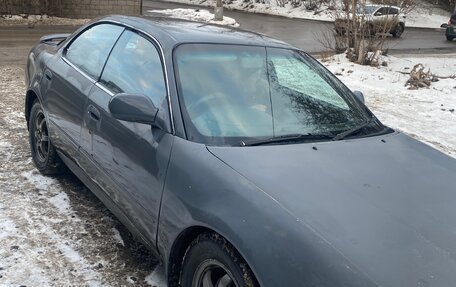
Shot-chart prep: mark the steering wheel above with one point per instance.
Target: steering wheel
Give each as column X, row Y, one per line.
column 197, row 108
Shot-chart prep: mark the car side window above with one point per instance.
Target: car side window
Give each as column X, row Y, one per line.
column 393, row 11
column 134, row 66
column 382, row 11
column 90, row 49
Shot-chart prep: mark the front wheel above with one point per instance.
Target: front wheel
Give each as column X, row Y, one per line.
column 44, row 155
column 211, row 261
column 449, row 38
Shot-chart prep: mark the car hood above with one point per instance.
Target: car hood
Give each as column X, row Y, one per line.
column 388, row 203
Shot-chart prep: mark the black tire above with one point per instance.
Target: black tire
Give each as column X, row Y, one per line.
column 449, row 38
column 211, row 258
column 398, row 30
column 44, row 155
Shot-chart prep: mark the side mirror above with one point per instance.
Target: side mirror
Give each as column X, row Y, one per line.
column 359, row 96
column 133, row 108
column 378, row 14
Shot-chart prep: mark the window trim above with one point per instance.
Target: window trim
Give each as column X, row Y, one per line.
column 393, row 11
column 68, row 61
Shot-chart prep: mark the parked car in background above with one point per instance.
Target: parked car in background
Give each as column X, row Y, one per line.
column 450, row 31
column 239, row 160
column 373, row 19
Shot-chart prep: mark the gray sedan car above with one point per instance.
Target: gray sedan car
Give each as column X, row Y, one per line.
column 238, row 159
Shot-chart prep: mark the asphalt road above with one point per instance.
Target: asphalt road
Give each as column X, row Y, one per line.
column 17, row 40
column 304, row 34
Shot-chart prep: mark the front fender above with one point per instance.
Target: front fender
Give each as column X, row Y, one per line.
column 281, row 250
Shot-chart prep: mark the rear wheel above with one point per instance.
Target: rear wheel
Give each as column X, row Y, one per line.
column 44, row 155
column 211, row 261
column 398, row 30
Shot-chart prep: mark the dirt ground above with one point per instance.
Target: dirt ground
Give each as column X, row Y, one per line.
column 53, row 231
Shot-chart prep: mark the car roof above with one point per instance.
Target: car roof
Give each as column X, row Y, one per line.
column 378, row 6
column 171, row 32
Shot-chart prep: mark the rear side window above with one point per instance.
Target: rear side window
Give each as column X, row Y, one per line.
column 393, row 11
column 90, row 49
column 134, row 66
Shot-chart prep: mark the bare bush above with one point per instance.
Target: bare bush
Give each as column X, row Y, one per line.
column 449, row 5
column 331, row 41
column 295, row 3
column 362, row 36
column 281, row 3
column 419, row 78
column 312, row 5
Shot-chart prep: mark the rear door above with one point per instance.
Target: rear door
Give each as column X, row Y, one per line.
column 380, row 14
column 69, row 79
column 130, row 159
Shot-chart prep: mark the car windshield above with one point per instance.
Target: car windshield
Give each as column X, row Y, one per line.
column 366, row 9
column 232, row 93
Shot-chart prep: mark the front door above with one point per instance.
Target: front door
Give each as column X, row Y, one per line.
column 131, row 159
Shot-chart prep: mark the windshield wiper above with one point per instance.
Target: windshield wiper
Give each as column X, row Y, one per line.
column 351, row 131
column 286, row 138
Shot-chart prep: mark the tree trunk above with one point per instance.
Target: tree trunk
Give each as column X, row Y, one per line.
column 218, row 11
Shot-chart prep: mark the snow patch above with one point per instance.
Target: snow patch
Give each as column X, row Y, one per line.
column 7, row 226
column 130, row 280
column 117, row 236
column 427, row 16
column 39, row 181
column 61, row 202
column 69, row 253
column 196, row 15
column 45, row 19
column 4, row 144
column 157, row 278
column 426, row 114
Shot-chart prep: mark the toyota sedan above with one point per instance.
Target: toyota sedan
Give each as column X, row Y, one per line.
column 238, row 159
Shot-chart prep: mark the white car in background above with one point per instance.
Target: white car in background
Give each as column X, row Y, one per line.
column 380, row 17
column 375, row 19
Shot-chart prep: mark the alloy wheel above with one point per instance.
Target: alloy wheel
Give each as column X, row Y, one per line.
column 41, row 136
column 212, row 273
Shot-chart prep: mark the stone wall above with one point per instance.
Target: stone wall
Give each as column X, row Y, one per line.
column 14, row 7
column 95, row 8
column 71, row 8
